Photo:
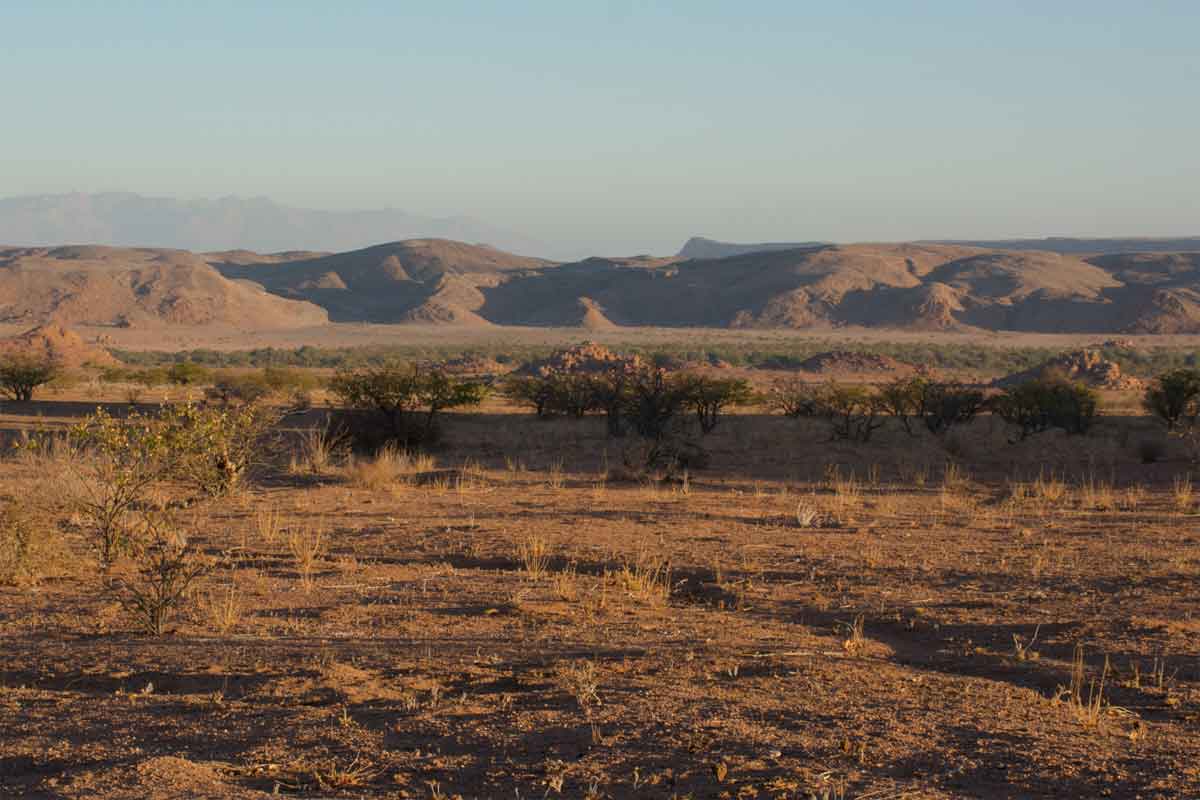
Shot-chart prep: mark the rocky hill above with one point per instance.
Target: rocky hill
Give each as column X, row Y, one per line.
column 135, row 287
column 911, row 286
column 419, row 280
column 57, row 345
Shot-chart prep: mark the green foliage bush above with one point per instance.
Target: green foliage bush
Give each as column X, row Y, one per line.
column 114, row 464
column 403, row 403
column 1174, row 397
column 21, row 375
column 938, row 405
column 211, row 447
column 1050, row 402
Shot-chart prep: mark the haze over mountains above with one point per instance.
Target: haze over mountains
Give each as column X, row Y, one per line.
column 916, row 286
column 125, row 219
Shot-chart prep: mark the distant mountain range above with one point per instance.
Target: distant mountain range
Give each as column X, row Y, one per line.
column 1064, row 244
column 699, row 247
column 132, row 220
column 915, row 286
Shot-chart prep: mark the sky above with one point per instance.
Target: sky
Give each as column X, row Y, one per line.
column 625, row 127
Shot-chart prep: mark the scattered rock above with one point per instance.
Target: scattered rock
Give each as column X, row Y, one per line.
column 1086, row 366
column 59, row 344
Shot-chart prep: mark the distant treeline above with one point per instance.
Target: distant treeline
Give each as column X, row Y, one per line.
column 777, row 355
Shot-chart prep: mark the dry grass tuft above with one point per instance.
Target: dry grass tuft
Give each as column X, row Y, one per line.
column 307, row 546
column 223, row 609
column 646, row 578
column 1181, row 491
column 534, row 554
column 389, row 467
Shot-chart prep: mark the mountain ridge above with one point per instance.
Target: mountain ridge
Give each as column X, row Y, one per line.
column 914, row 286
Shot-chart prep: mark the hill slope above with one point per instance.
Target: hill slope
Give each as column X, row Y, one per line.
column 914, row 286
column 424, row 280
column 117, row 286
column 438, row 281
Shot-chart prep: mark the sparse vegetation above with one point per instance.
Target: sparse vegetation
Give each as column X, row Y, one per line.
column 1039, row 405
column 405, row 402
column 21, row 375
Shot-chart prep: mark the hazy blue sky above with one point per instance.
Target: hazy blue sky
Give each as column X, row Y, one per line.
column 625, row 126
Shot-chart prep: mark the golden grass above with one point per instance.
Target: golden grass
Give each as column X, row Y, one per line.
column 386, row 469
column 534, row 555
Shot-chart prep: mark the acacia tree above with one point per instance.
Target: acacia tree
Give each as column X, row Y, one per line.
column 708, row 397
column 1039, row 405
column 20, row 375
column 939, row 405
column 409, row 399
column 1174, row 397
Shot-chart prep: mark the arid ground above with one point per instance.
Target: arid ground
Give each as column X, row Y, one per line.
column 513, row 617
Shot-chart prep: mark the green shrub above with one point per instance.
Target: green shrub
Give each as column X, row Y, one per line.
column 186, row 373
column 535, row 391
column 212, row 448
column 1039, row 405
column 938, row 405
column 794, row 398
column 21, row 375
column 404, row 402
column 1174, row 397
column 709, row 396
column 114, row 464
column 853, row 412
column 239, row 388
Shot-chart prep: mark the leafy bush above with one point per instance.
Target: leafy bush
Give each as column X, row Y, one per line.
column 20, row 375
column 794, row 398
column 239, row 388
column 1039, row 405
column 652, row 408
column 212, row 448
column 167, row 568
column 115, row 464
column 853, row 412
column 938, row 405
column 535, row 391
column 708, row 397
column 185, row 373
column 404, row 403
column 1174, row 397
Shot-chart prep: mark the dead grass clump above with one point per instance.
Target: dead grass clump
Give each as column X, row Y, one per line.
column 267, row 523
column 555, row 476
column 1181, row 492
column 807, row 514
column 534, row 554
column 954, row 477
column 646, row 578
column 1051, row 490
column 320, row 449
column 222, row 609
column 581, row 680
column 856, row 639
column 1086, row 698
column 387, row 468
column 1097, row 495
column 307, row 546
column 566, row 584
column 29, row 546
